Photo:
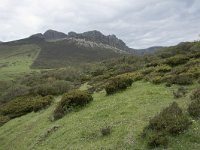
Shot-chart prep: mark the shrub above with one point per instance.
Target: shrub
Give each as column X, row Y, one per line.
column 196, row 94
column 157, row 80
column 194, row 108
column 25, row 104
column 180, row 92
column 106, row 131
column 14, row 92
column 98, row 71
column 170, row 121
column 176, row 60
column 117, row 84
column 55, row 88
column 182, row 79
column 42, row 103
column 4, row 85
column 163, row 68
column 155, row 139
column 3, row 119
column 136, row 76
column 70, row 101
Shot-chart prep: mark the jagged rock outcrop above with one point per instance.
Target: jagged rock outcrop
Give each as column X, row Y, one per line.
column 98, row 37
column 54, row 35
column 92, row 36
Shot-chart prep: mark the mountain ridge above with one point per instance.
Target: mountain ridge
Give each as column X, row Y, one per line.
column 93, row 36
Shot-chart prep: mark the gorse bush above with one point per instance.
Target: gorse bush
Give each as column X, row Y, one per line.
column 194, row 109
column 180, row 92
column 194, row 106
column 14, row 91
column 71, row 100
column 170, row 121
column 155, row 139
column 157, row 79
column 117, row 84
column 3, row 119
column 176, row 60
column 182, row 79
column 25, row 104
column 54, row 88
column 195, row 94
column 163, row 68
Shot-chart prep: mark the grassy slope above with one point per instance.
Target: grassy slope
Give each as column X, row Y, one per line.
column 127, row 113
column 15, row 60
column 62, row 53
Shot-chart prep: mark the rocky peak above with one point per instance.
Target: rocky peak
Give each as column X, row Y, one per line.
column 54, row 35
column 37, row 35
column 93, row 36
column 98, row 37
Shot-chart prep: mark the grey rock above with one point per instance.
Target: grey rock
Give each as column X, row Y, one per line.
column 54, row 35
column 98, row 37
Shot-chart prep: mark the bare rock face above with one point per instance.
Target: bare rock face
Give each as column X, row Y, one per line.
column 98, row 37
column 37, row 35
column 90, row 36
column 54, row 35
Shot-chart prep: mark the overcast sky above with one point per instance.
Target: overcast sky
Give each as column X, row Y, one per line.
column 140, row 23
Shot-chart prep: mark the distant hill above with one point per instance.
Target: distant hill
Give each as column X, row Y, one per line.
column 51, row 35
column 73, row 52
column 98, row 37
column 149, row 50
column 93, row 36
column 59, row 49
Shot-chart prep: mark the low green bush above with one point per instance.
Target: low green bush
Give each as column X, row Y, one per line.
column 182, row 79
column 25, row 104
column 42, row 103
column 195, row 94
column 156, row 139
column 170, row 121
column 118, row 83
column 71, row 100
column 177, row 60
column 157, row 79
column 3, row 119
column 106, row 131
column 180, row 92
column 194, row 109
column 136, row 76
column 163, row 68
column 55, row 88
column 14, row 92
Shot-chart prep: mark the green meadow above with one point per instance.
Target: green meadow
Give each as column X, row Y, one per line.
column 126, row 113
column 16, row 60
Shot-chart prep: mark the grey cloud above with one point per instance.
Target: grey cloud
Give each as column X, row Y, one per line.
column 140, row 23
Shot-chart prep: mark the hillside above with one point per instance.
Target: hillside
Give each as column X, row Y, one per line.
column 72, row 52
column 58, row 49
column 126, row 113
column 16, row 60
column 102, row 98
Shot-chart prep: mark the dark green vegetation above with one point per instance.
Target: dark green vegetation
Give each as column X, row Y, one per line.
column 117, row 84
column 23, row 105
column 108, row 122
column 71, row 100
column 194, row 107
column 170, row 121
column 68, row 52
